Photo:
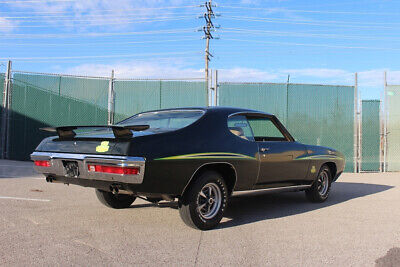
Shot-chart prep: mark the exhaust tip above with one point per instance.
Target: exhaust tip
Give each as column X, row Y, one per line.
column 114, row 189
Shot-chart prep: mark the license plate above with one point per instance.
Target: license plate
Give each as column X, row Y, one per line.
column 71, row 169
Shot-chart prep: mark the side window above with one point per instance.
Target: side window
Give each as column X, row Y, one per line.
column 265, row 130
column 238, row 125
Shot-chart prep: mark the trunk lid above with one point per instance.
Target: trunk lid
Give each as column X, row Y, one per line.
column 95, row 141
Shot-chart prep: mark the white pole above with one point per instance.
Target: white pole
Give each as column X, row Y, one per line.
column 5, row 120
column 210, row 89
column 110, row 119
column 381, row 125
column 216, row 88
column 359, row 132
column 385, row 132
column 356, row 138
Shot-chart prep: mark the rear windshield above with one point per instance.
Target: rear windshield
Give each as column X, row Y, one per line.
column 164, row 120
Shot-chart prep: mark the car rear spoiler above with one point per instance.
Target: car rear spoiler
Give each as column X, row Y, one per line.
column 119, row 131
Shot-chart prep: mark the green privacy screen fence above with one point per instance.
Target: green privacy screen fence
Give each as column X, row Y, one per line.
column 2, row 76
column 51, row 100
column 314, row 114
column 40, row 101
column 370, row 160
column 393, row 127
column 132, row 97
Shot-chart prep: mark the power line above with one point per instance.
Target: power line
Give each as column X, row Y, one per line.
column 98, row 43
column 146, row 59
column 315, row 45
column 105, row 10
column 97, row 56
column 101, row 22
column 72, row 35
column 90, row 15
column 281, row 10
column 302, row 34
column 35, row 1
column 320, row 23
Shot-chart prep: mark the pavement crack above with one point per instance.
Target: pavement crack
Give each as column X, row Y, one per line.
column 198, row 248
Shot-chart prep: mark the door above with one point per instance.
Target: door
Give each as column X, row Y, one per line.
column 277, row 154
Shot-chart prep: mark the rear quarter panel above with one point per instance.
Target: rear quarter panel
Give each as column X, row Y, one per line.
column 173, row 157
column 318, row 156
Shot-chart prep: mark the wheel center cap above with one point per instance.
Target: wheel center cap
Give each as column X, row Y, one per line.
column 210, row 201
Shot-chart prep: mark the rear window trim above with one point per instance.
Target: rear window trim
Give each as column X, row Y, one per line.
column 169, row 110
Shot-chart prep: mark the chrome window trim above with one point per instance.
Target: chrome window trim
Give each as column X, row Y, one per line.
column 57, row 167
column 280, row 126
column 120, row 123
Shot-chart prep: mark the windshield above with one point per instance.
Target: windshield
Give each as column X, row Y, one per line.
column 168, row 120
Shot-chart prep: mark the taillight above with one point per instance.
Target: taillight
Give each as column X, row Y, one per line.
column 42, row 163
column 113, row 169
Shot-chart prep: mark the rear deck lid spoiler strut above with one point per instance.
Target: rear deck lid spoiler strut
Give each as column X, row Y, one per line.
column 119, row 131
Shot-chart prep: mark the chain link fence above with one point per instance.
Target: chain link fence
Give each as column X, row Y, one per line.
column 133, row 96
column 41, row 100
column 371, row 136
column 392, row 118
column 314, row 114
column 2, row 130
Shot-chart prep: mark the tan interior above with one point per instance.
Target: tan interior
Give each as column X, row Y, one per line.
column 238, row 131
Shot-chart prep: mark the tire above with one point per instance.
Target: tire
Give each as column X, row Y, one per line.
column 203, row 204
column 320, row 189
column 114, row 201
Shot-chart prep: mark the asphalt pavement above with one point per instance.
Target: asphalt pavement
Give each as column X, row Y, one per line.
column 54, row 224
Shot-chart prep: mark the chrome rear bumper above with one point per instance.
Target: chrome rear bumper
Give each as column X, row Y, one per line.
column 57, row 166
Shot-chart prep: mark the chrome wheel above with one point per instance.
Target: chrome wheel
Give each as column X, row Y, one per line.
column 323, row 183
column 209, row 201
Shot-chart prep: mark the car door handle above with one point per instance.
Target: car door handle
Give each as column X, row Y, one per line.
column 263, row 149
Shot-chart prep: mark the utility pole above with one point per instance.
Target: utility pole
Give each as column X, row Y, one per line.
column 207, row 29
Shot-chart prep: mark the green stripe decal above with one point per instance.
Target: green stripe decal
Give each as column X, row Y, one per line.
column 211, row 155
column 316, row 157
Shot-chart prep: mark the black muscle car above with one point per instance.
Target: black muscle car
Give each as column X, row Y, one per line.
column 199, row 156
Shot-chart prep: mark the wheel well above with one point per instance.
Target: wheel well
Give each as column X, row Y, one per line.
column 332, row 168
column 227, row 171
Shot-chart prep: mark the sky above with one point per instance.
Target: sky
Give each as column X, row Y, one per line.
column 321, row 42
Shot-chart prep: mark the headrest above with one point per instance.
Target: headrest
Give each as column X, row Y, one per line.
column 236, row 131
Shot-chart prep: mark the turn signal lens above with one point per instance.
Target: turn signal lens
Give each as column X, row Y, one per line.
column 42, row 163
column 113, row 169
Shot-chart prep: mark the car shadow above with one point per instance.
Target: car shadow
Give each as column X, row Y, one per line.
column 259, row 206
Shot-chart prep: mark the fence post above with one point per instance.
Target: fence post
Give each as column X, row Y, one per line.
column 111, row 95
column 287, row 100
column 207, row 80
column 5, row 118
column 381, row 122
column 356, row 137
column 385, row 132
column 216, row 88
column 360, row 133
